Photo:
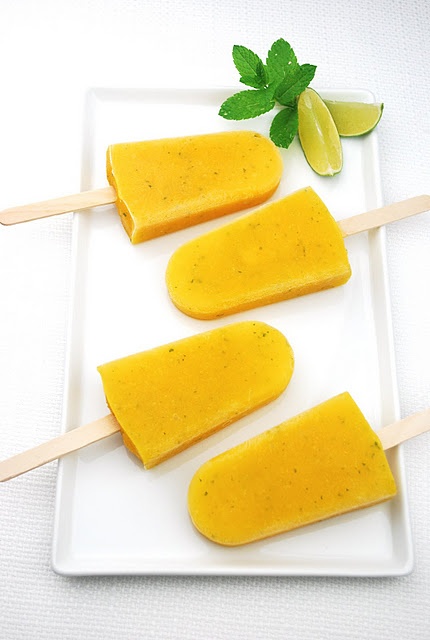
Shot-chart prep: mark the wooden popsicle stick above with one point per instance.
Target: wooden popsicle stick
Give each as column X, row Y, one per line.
column 402, row 430
column 66, row 443
column 390, row 436
column 65, row 204
column 378, row 217
column 87, row 199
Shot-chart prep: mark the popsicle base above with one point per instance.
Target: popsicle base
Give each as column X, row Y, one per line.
column 322, row 463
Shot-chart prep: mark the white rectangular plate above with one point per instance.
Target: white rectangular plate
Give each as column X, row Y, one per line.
column 112, row 516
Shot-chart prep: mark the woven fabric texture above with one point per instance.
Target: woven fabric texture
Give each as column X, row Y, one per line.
column 52, row 51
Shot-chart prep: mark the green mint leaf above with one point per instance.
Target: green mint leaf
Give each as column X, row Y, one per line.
column 284, row 127
column 250, row 66
column 247, row 104
column 252, row 81
column 281, row 60
column 295, row 83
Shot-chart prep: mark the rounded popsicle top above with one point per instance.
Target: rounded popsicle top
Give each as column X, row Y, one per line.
column 172, row 396
column 169, row 184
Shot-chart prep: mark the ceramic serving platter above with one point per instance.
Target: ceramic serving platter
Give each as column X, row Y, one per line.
column 112, row 516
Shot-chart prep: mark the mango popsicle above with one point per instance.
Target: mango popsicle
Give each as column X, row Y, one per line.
column 169, row 397
column 166, row 185
column 165, row 399
column 284, row 249
column 319, row 464
column 160, row 186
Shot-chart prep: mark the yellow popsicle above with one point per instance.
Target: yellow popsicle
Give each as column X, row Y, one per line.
column 173, row 183
column 284, row 249
column 170, row 397
column 321, row 463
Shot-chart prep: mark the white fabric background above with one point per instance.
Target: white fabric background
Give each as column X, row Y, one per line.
column 51, row 51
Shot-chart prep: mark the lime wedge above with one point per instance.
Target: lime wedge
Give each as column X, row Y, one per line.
column 354, row 118
column 318, row 134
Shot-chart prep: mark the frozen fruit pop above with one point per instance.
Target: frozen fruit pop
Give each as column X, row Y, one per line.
column 288, row 248
column 166, row 185
column 165, row 399
column 285, row 249
column 321, row 463
column 160, row 186
column 172, row 396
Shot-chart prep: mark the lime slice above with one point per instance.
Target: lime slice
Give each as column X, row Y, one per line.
column 318, row 134
column 354, row 118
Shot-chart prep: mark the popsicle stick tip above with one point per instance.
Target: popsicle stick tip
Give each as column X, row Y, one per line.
column 52, row 449
column 405, row 429
column 56, row 206
column 384, row 215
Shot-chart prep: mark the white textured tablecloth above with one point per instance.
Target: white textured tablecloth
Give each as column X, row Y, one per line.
column 51, row 52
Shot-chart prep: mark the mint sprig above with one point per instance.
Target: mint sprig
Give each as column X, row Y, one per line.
column 280, row 80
